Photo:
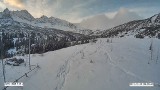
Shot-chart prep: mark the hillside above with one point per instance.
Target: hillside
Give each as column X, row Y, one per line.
column 149, row 27
column 107, row 64
column 16, row 38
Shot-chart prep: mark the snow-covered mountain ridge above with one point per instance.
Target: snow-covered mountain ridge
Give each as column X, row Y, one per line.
column 24, row 16
column 149, row 27
column 48, row 39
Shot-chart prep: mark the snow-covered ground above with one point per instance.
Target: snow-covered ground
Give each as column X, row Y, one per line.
column 93, row 66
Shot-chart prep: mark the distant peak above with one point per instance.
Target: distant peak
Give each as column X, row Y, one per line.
column 155, row 18
column 52, row 18
column 43, row 16
column 6, row 10
column 6, row 13
column 24, row 11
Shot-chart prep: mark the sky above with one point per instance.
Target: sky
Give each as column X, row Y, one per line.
column 77, row 10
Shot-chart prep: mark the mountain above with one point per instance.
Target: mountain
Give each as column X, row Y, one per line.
column 102, row 22
column 149, row 27
column 16, row 30
column 24, row 16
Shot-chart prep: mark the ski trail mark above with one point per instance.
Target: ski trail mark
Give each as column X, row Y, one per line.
column 123, row 69
column 64, row 70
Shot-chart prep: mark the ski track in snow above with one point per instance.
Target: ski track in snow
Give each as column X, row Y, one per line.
column 64, row 70
column 113, row 63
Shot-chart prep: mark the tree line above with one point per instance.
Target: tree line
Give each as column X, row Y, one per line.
column 39, row 42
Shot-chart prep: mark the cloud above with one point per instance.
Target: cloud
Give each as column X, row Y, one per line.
column 146, row 11
column 2, row 6
column 14, row 3
column 125, row 15
column 72, row 17
column 102, row 21
column 111, row 14
column 38, row 7
column 74, row 11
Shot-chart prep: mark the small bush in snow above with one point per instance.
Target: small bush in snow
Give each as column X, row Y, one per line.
column 107, row 40
column 91, row 61
column 158, row 36
column 139, row 36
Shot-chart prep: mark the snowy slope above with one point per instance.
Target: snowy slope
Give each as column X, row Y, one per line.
column 149, row 27
column 93, row 66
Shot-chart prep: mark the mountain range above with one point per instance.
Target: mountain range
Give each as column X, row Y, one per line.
column 18, row 27
column 149, row 27
column 105, row 27
column 24, row 16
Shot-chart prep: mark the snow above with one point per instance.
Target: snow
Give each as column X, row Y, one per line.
column 94, row 66
column 154, row 18
column 24, row 16
column 12, row 50
column 14, row 40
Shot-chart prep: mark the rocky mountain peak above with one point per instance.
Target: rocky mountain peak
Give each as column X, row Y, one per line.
column 6, row 14
column 6, row 11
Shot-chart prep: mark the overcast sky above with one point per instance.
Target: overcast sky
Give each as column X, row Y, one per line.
column 76, row 10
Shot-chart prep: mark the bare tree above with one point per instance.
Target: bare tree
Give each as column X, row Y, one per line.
column 157, row 56
column 107, row 40
column 151, row 51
